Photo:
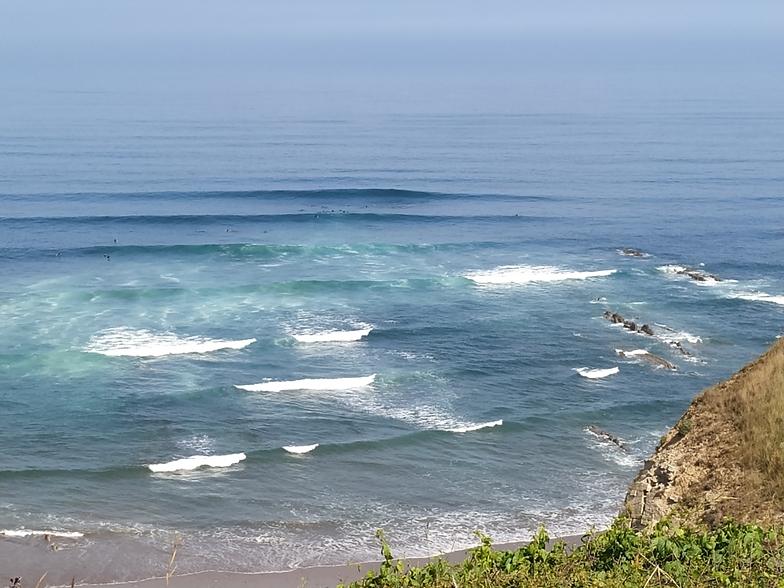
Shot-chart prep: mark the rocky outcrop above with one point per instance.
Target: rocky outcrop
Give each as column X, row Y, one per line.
column 677, row 345
column 632, row 252
column 698, row 275
column 649, row 357
column 605, row 436
column 631, row 325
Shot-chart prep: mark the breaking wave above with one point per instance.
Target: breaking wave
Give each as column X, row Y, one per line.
column 758, row 297
column 633, row 353
column 476, row 427
column 333, row 336
column 310, row 384
column 596, row 374
column 31, row 532
column 523, row 274
column 197, row 461
column 122, row 341
column 300, row 449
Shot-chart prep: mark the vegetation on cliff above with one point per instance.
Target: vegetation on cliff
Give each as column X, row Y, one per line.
column 663, row 555
column 725, row 456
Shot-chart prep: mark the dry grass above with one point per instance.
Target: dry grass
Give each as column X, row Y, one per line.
column 751, row 404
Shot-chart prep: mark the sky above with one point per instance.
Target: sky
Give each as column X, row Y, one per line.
column 72, row 39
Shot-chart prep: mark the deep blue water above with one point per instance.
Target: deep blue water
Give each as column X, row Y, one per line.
column 148, row 238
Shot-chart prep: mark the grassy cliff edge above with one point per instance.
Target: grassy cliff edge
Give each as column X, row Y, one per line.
column 706, row 510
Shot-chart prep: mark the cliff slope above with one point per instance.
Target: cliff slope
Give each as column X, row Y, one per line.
column 724, row 457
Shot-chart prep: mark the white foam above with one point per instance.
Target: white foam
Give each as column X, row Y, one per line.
column 523, row 274
column 299, row 449
column 311, row 384
column 682, row 336
column 469, row 428
column 758, row 297
column 632, row 353
column 671, row 269
column 30, row 532
column 123, row 341
column 595, row 374
column 333, row 336
column 197, row 461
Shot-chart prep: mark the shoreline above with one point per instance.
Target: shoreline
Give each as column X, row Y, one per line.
column 306, row 577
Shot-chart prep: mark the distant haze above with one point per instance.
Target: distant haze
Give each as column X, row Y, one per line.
column 58, row 40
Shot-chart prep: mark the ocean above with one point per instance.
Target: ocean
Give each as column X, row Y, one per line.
column 266, row 325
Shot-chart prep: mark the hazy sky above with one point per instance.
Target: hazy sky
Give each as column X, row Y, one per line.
column 66, row 38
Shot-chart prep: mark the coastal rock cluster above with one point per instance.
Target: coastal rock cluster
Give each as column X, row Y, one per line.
column 698, row 275
column 631, row 325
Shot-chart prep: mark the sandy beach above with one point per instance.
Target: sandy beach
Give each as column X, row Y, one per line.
column 20, row 560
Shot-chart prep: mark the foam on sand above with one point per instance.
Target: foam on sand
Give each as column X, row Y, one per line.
column 523, row 274
column 31, row 532
column 123, row 341
column 333, row 336
column 300, row 449
column 311, row 384
column 596, row 374
column 198, row 461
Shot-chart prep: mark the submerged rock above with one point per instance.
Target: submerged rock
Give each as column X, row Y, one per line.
column 632, row 252
column 605, row 436
column 649, row 357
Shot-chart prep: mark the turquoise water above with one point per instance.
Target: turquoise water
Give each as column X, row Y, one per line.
column 412, row 286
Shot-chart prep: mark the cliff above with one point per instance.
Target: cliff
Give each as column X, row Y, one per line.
column 724, row 457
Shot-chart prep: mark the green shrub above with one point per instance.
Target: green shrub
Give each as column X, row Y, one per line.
column 665, row 555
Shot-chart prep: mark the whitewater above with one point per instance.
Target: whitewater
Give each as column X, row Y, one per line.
column 266, row 316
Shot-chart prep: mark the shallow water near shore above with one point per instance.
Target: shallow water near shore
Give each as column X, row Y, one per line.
column 274, row 361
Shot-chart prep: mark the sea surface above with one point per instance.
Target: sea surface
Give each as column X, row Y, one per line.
column 267, row 325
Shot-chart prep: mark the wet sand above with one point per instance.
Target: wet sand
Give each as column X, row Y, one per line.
column 312, row 577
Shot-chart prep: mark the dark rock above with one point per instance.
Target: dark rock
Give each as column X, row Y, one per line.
column 605, row 436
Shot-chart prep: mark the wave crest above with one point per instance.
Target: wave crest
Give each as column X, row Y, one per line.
column 333, row 336
column 122, row 341
column 197, row 461
column 300, row 449
column 523, row 274
column 594, row 374
column 310, row 384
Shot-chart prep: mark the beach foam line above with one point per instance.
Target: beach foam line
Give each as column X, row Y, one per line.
column 333, row 336
column 476, row 427
column 596, row 374
column 300, row 449
column 31, row 532
column 122, row 341
column 310, row 384
column 197, row 461
column 523, row 274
